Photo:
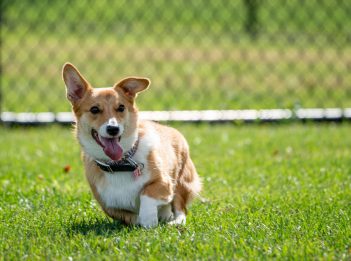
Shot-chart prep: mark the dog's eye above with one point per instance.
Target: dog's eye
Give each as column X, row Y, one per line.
column 94, row 110
column 121, row 108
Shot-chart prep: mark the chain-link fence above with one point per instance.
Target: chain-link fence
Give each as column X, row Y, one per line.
column 198, row 54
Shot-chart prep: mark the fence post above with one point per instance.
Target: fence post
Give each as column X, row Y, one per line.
column 251, row 23
column 2, row 12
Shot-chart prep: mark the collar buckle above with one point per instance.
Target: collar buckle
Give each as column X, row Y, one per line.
column 104, row 166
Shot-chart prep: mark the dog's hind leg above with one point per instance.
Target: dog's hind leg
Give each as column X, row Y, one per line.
column 187, row 187
column 165, row 213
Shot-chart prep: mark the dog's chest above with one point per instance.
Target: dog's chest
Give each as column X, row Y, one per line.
column 121, row 190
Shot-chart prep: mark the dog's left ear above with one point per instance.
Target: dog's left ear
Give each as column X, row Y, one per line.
column 132, row 85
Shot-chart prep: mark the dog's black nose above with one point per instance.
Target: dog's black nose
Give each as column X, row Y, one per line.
column 112, row 130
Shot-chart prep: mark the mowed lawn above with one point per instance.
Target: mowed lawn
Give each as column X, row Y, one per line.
column 270, row 191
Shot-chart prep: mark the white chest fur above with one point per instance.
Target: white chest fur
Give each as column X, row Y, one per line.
column 122, row 190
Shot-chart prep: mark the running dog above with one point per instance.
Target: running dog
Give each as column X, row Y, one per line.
column 140, row 172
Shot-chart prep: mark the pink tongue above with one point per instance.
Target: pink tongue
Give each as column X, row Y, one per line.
column 112, row 148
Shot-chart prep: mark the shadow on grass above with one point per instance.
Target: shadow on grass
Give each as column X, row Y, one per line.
column 98, row 227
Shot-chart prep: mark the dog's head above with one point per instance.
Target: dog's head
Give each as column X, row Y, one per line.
column 106, row 117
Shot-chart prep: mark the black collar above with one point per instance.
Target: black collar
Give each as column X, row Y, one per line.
column 125, row 164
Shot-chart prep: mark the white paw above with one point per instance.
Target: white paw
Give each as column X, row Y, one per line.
column 148, row 216
column 180, row 219
column 147, row 221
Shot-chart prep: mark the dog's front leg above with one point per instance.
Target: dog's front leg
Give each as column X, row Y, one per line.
column 148, row 211
column 149, row 203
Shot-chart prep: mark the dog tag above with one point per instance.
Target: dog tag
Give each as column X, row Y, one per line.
column 137, row 173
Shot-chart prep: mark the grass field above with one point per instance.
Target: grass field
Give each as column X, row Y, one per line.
column 270, row 191
column 198, row 50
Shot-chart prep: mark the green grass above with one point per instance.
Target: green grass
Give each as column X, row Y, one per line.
column 270, row 191
column 197, row 50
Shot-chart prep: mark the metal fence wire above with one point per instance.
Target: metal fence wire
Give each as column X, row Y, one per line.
column 220, row 55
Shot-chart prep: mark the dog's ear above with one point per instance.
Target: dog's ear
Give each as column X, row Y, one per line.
column 132, row 85
column 76, row 85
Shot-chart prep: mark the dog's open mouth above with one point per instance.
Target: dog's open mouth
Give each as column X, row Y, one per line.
column 111, row 146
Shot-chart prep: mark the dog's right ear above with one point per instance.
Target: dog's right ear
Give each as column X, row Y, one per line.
column 76, row 85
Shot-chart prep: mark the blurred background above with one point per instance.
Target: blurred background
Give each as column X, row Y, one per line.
column 220, row 55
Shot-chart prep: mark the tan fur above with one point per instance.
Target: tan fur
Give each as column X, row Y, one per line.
column 173, row 177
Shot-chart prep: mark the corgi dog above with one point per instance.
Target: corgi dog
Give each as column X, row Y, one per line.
column 140, row 172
